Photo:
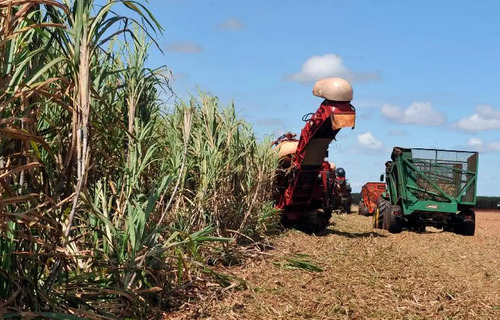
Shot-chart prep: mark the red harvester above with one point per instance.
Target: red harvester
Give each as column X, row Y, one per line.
column 304, row 185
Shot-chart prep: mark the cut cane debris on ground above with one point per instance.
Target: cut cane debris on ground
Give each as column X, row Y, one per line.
column 354, row 272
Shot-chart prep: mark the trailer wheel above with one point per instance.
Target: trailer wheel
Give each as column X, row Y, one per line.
column 363, row 209
column 390, row 216
column 414, row 223
column 381, row 210
column 420, row 228
column 467, row 224
column 394, row 220
column 315, row 221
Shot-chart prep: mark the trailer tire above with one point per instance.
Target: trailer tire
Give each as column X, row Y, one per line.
column 414, row 223
column 315, row 221
column 467, row 223
column 390, row 216
column 362, row 209
column 394, row 220
column 383, row 206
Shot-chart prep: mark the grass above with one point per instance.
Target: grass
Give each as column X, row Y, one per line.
column 299, row 261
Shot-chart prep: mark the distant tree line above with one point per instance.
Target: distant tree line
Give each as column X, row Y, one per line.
column 356, row 198
column 487, row 202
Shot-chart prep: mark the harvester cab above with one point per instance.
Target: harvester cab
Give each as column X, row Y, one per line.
column 305, row 181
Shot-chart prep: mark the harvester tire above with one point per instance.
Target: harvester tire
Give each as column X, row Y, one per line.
column 348, row 208
column 315, row 221
column 285, row 222
column 467, row 226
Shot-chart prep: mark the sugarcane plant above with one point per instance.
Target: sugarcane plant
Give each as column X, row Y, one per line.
column 108, row 194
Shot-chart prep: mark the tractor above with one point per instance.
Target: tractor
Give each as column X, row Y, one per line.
column 304, row 182
column 370, row 193
column 429, row 187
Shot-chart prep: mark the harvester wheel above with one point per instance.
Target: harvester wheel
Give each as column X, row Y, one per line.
column 285, row 222
column 315, row 221
column 467, row 223
column 348, row 208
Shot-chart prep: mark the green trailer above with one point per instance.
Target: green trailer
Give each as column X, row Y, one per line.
column 429, row 187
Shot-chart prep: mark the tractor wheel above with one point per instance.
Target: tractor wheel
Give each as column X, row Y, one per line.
column 467, row 224
column 315, row 221
column 393, row 220
column 383, row 206
column 363, row 210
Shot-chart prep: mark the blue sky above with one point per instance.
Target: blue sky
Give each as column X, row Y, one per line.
column 425, row 73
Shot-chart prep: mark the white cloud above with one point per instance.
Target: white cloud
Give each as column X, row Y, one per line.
column 392, row 112
column 477, row 144
column 367, row 140
column 419, row 113
column 231, row 24
column 327, row 66
column 183, row 47
column 485, row 118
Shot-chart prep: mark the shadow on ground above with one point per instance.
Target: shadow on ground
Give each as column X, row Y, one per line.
column 352, row 234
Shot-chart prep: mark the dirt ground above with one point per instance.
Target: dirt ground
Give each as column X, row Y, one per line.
column 354, row 272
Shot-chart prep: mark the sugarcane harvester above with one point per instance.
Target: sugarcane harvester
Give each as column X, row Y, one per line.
column 304, row 182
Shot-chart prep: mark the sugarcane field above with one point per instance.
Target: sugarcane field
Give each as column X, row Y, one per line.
column 187, row 159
